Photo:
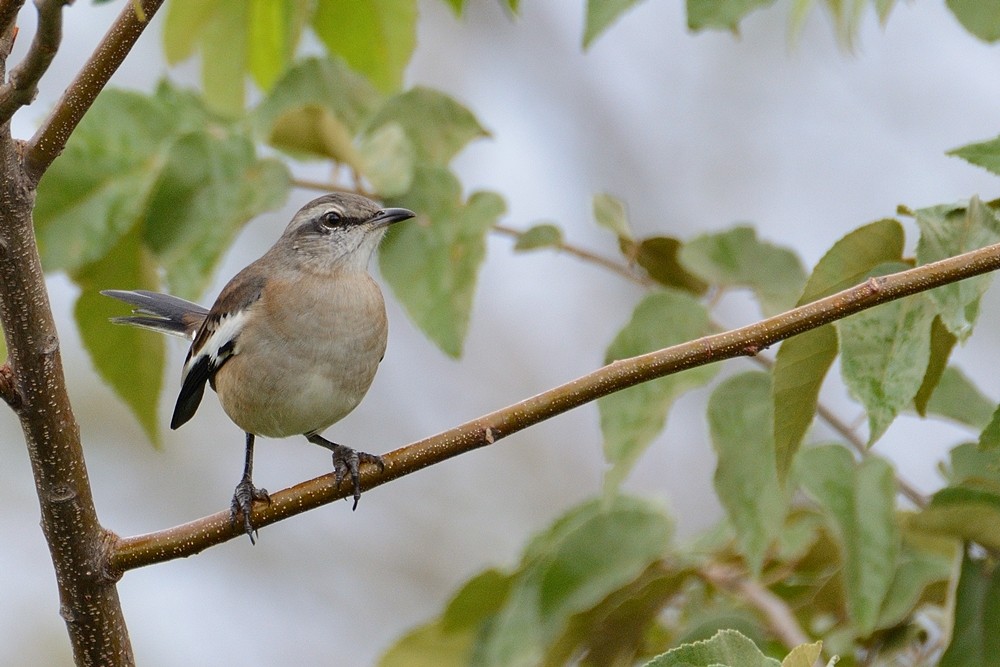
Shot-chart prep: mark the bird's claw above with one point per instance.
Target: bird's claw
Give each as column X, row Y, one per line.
column 243, row 498
column 346, row 462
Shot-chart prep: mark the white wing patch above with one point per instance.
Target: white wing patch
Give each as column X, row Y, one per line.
column 220, row 343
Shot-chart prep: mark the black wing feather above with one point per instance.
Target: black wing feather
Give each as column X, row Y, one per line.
column 192, row 391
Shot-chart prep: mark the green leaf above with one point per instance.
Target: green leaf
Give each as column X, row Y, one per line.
column 957, row 398
column 728, row 648
column 859, row 501
column 916, row 570
column 720, row 14
column 224, row 59
column 312, row 131
column 437, row 125
column 185, row 23
column 803, row 361
column 274, row 30
column 737, row 258
column 326, row 83
column 632, row 418
column 376, row 38
column 946, row 231
column 389, row 159
column 610, row 213
column 884, row 355
column 974, row 466
column 980, row 17
column 594, row 550
column 432, row 263
column 601, row 14
column 746, row 478
column 539, row 236
column 965, row 513
column 659, row 256
column 128, row 359
column 974, row 639
column 942, row 342
column 457, row 6
column 985, row 154
column 803, row 655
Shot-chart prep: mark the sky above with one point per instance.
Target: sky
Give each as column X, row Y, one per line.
column 696, row 132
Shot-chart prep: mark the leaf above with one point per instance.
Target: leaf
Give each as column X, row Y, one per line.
column 224, row 57
column 946, row 231
column 965, row 513
column 916, row 570
column 632, row 418
column 539, row 236
column 737, row 258
column 185, row 23
column 610, row 213
column 884, row 355
column 601, row 14
column 432, row 263
column 436, row 125
column 975, row 466
column 728, row 648
column 457, row 6
column 859, row 502
column 312, row 131
column 128, row 359
column 720, row 14
column 587, row 554
column 746, row 479
column 376, row 38
column 658, row 255
column 803, row 655
column 803, row 361
column 974, row 640
column 979, row 17
column 942, row 342
column 957, row 398
column 389, row 159
column 985, row 154
column 274, row 28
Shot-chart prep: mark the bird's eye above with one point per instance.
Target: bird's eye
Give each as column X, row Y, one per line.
column 330, row 219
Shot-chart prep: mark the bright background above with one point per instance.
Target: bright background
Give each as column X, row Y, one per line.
column 695, row 132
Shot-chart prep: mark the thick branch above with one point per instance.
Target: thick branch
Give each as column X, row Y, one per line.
column 190, row 538
column 50, row 139
column 22, row 87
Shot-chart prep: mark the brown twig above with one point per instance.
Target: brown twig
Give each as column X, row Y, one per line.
column 50, row 139
column 22, row 86
column 193, row 537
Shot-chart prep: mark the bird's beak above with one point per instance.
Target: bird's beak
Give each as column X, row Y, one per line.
column 387, row 216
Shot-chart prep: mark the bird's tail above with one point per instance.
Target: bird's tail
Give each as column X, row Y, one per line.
column 160, row 312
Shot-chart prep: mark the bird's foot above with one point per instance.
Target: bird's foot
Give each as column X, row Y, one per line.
column 246, row 493
column 346, row 462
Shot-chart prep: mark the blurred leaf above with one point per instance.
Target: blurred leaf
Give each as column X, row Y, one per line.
column 376, row 38
column 965, row 513
column 946, row 231
column 601, row 14
column 432, row 263
column 610, row 213
column 916, row 570
column 804, row 360
column 632, row 418
column 942, row 342
column 990, row 437
column 957, row 398
column 803, row 655
column 224, row 58
column 326, row 83
column 480, row 598
column 727, row 648
column 436, row 125
column 457, row 6
column 737, row 258
column 185, row 23
column 128, row 359
column 313, row 131
column 985, row 154
column 275, row 27
column 884, row 355
column 388, row 159
column 659, row 257
column 720, row 14
column 974, row 640
column 859, row 499
column 587, row 554
column 746, row 479
column 979, row 17
column 540, row 236
column 973, row 466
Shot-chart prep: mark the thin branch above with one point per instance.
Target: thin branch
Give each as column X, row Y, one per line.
column 190, row 538
column 9, row 10
column 22, row 87
column 50, row 139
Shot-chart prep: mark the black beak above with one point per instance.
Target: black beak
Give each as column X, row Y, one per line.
column 387, row 216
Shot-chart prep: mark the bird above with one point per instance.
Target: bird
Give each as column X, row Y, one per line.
column 292, row 343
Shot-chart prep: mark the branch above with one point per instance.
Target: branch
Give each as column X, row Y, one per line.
column 190, row 538
column 50, row 139
column 9, row 10
column 22, row 87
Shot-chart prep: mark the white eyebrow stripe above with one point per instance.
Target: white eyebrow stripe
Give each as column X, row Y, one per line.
column 226, row 331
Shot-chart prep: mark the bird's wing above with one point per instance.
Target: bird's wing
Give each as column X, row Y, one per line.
column 216, row 340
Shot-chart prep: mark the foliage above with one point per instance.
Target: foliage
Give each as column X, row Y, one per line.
column 152, row 188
